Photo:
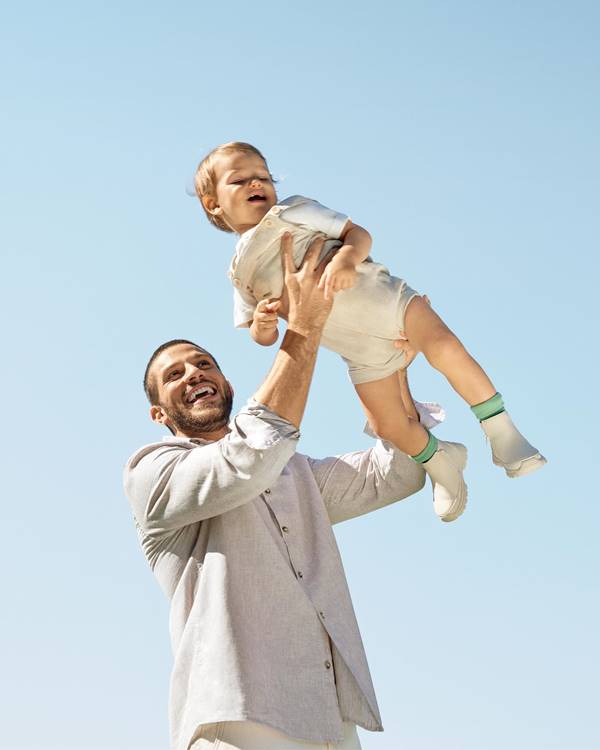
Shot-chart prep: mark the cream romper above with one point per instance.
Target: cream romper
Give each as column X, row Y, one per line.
column 364, row 321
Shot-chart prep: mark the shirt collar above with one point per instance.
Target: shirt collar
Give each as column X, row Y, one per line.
column 176, row 440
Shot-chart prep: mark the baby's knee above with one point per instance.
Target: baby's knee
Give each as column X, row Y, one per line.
column 444, row 348
column 387, row 427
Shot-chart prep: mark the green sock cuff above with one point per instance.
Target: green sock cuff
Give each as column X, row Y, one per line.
column 428, row 450
column 489, row 408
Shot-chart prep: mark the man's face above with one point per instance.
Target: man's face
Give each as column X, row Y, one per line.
column 244, row 190
column 194, row 398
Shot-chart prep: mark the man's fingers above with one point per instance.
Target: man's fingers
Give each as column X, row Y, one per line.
column 402, row 342
column 313, row 252
column 287, row 246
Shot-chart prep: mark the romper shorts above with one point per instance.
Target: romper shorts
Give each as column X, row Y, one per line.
column 366, row 320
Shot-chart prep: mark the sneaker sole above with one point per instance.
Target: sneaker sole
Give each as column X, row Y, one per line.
column 459, row 505
column 527, row 466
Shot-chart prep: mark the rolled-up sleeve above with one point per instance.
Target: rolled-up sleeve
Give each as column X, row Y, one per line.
column 174, row 484
column 356, row 483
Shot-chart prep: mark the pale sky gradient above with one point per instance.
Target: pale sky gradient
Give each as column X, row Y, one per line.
column 464, row 136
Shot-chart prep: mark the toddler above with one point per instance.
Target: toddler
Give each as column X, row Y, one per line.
column 370, row 308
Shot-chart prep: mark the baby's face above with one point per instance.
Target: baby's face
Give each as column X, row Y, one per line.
column 244, row 190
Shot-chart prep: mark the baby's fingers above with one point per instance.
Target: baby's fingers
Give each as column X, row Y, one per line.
column 330, row 286
column 273, row 306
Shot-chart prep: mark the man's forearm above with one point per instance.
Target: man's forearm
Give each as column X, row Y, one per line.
column 286, row 387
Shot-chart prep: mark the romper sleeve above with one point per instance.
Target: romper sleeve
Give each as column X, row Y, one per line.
column 311, row 213
column 244, row 306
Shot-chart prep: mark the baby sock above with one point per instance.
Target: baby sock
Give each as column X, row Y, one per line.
column 428, row 450
column 489, row 408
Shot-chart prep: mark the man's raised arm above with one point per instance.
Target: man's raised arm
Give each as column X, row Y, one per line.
column 285, row 389
column 171, row 485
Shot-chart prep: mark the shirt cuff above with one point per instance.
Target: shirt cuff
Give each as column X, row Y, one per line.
column 430, row 416
column 262, row 428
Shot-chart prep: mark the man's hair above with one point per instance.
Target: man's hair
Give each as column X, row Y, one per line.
column 205, row 181
column 150, row 386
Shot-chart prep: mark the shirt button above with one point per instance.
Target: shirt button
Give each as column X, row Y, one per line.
column 321, row 615
column 285, row 528
column 268, row 223
column 328, row 664
column 275, row 210
column 267, row 492
column 300, row 574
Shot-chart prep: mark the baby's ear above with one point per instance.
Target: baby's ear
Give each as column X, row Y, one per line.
column 211, row 205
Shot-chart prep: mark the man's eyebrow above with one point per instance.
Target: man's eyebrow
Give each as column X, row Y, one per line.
column 169, row 368
column 196, row 355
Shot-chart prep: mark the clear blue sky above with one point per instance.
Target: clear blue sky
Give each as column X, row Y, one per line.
column 464, row 136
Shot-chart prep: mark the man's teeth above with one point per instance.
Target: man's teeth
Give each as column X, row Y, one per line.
column 207, row 390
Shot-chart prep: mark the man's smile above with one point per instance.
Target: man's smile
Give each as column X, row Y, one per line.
column 200, row 393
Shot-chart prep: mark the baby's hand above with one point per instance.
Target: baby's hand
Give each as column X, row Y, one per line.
column 339, row 273
column 265, row 318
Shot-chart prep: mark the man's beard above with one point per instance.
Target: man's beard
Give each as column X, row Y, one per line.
column 214, row 418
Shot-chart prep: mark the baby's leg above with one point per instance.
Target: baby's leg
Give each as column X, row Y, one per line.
column 444, row 462
column 428, row 333
column 383, row 405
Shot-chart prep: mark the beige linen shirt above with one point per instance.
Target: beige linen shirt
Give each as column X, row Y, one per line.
column 238, row 533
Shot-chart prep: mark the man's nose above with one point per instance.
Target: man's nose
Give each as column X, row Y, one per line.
column 193, row 374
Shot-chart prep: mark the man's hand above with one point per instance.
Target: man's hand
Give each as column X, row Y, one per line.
column 308, row 308
column 285, row 389
column 403, row 343
column 339, row 274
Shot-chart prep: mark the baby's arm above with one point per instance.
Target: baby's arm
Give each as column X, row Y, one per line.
column 263, row 327
column 340, row 273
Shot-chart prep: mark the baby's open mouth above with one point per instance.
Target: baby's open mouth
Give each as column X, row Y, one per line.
column 256, row 197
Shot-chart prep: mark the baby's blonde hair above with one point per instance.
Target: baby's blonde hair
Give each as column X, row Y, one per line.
column 204, row 179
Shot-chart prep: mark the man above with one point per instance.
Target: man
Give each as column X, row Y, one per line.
column 237, row 528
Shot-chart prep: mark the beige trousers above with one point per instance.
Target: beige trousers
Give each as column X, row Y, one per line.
column 248, row 735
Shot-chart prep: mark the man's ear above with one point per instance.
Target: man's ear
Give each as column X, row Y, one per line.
column 230, row 388
column 210, row 204
column 157, row 414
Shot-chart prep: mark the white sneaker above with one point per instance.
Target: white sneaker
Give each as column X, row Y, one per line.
column 509, row 448
column 445, row 470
